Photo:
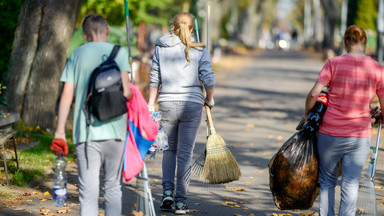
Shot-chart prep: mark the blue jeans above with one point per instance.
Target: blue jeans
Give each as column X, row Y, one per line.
column 180, row 121
column 352, row 152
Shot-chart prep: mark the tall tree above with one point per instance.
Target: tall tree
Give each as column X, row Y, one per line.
column 332, row 15
column 363, row 13
column 44, row 30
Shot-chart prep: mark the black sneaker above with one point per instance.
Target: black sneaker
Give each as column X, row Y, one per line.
column 181, row 209
column 167, row 200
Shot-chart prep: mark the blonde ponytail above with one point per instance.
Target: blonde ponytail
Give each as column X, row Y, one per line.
column 182, row 26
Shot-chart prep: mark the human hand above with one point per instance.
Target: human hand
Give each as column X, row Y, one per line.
column 59, row 145
column 127, row 93
column 376, row 114
column 151, row 109
column 210, row 103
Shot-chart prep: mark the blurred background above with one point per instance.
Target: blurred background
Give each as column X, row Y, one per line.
column 235, row 26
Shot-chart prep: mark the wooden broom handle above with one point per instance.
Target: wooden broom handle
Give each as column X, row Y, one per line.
column 209, row 118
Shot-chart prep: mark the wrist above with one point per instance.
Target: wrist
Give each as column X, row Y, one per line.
column 59, row 135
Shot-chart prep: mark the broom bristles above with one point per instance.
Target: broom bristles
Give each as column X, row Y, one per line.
column 220, row 166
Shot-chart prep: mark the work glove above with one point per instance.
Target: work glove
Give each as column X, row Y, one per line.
column 59, row 145
column 210, row 103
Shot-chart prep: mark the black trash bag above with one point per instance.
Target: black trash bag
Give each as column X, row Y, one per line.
column 294, row 173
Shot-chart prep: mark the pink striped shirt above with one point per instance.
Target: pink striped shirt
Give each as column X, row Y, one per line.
column 353, row 83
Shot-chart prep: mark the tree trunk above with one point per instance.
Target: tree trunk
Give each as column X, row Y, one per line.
column 331, row 12
column 39, row 53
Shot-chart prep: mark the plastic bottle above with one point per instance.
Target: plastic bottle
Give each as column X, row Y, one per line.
column 59, row 181
column 151, row 154
column 315, row 117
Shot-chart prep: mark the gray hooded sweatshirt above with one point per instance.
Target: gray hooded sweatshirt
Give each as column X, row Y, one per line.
column 180, row 80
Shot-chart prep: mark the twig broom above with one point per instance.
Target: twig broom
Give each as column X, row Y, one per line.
column 220, row 166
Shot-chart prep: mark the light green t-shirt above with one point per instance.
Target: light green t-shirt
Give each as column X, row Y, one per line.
column 78, row 70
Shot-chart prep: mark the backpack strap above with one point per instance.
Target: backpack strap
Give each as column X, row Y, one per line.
column 114, row 52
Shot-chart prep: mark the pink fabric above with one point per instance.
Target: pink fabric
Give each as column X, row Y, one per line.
column 353, row 83
column 142, row 132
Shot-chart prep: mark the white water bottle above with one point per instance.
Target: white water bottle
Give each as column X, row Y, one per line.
column 59, row 181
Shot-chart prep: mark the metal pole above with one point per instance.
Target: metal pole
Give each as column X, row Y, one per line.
column 380, row 30
column 128, row 36
column 208, row 27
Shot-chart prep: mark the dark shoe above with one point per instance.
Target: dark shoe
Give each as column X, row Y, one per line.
column 167, row 200
column 181, row 209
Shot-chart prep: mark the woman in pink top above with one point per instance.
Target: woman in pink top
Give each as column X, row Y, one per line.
column 344, row 136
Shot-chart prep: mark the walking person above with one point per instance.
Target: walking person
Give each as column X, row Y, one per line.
column 344, row 136
column 106, row 139
column 180, row 68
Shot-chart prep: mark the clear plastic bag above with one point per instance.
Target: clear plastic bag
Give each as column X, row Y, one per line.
column 161, row 142
column 294, row 173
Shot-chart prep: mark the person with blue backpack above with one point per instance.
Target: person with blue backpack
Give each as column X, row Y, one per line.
column 99, row 143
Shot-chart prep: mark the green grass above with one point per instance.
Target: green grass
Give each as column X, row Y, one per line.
column 35, row 163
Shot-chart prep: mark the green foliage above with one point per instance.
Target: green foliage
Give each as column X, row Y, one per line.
column 117, row 36
column 9, row 14
column 363, row 13
column 148, row 11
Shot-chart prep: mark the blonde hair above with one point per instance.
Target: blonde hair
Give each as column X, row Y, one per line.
column 353, row 35
column 182, row 26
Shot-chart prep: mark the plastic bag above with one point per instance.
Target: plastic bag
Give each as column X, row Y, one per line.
column 161, row 142
column 294, row 173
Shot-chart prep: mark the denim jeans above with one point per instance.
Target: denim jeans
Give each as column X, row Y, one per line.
column 352, row 152
column 180, row 121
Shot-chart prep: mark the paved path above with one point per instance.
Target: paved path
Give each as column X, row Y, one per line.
column 259, row 101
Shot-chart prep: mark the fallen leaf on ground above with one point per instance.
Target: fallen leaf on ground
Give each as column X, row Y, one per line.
column 360, row 210
column 258, row 171
column 241, row 189
column 307, row 214
column 64, row 211
column 135, row 213
column 46, row 193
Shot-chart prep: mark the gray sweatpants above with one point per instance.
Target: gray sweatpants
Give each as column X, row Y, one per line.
column 107, row 154
column 352, row 152
column 181, row 121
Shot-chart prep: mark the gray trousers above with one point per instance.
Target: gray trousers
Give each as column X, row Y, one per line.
column 181, row 122
column 352, row 152
column 107, row 154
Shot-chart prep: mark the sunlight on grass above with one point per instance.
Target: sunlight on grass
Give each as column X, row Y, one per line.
column 34, row 163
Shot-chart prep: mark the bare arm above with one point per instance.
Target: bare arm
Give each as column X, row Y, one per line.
column 125, row 80
column 65, row 106
column 152, row 96
column 312, row 96
column 210, row 93
column 381, row 101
